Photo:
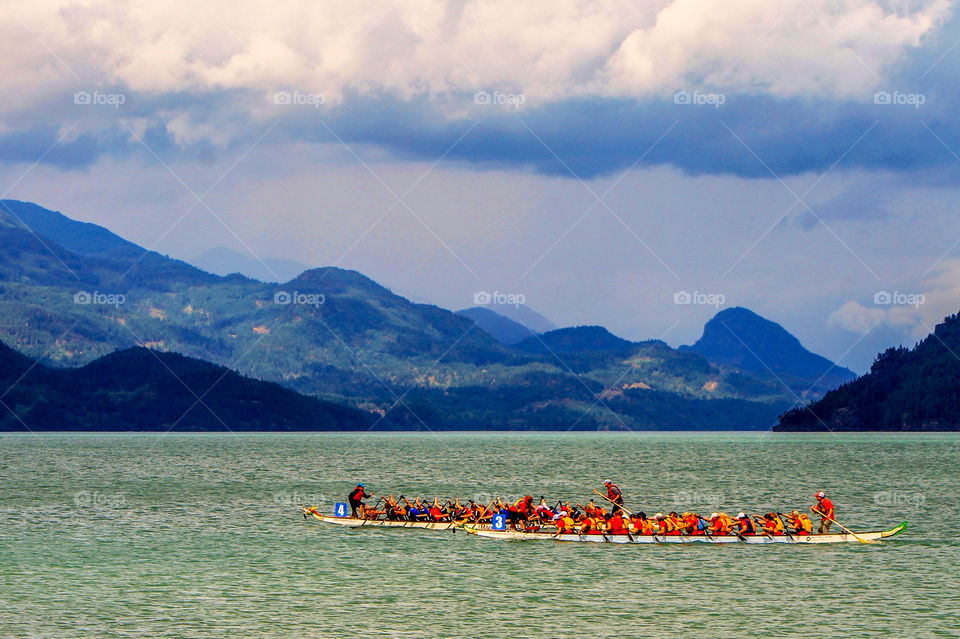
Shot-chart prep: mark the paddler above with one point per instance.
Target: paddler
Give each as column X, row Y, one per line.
column 661, row 525
column 692, row 524
column 415, row 511
column 356, row 497
column 436, row 512
column 394, row 511
column 720, row 524
column 590, row 526
column 676, row 523
column 543, row 510
column 614, row 494
column 564, row 522
column 642, row 525
column 824, row 508
column 616, row 525
column 772, row 525
column 521, row 510
column 801, row 523
column 747, row 525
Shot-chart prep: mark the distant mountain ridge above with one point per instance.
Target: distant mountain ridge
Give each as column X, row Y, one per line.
column 225, row 261
column 739, row 337
column 136, row 389
column 501, row 328
column 906, row 390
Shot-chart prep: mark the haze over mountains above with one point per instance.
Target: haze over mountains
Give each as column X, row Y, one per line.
column 75, row 292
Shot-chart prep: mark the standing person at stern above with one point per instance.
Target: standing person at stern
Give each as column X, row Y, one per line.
column 356, row 497
column 824, row 508
column 614, row 495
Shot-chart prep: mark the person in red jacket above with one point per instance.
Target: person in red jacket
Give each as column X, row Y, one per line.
column 356, row 498
column 616, row 525
column 824, row 508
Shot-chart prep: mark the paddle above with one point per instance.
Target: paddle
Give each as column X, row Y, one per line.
column 758, row 521
column 842, row 527
column 784, row 519
column 612, row 502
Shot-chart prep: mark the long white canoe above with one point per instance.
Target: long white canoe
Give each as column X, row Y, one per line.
column 353, row 522
column 687, row 539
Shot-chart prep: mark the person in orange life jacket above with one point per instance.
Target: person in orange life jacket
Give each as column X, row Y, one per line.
column 660, row 524
column 719, row 524
column 747, row 526
column 356, row 497
column 564, row 522
column 825, row 508
column 691, row 524
column 614, row 494
column 591, row 525
column 676, row 523
column 772, row 524
column 616, row 525
column 801, row 523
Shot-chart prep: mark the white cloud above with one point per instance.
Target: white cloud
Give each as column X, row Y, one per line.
column 912, row 312
column 546, row 49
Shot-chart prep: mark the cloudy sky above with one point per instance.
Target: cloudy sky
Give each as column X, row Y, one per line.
column 599, row 158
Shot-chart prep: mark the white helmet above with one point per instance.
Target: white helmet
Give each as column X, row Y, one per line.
column 713, row 516
column 741, row 516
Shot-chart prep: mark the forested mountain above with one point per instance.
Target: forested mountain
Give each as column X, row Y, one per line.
column 740, row 338
column 137, row 389
column 906, row 389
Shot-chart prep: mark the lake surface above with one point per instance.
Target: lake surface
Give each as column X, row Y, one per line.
column 147, row 535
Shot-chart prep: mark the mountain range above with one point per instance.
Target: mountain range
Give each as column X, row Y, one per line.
column 73, row 293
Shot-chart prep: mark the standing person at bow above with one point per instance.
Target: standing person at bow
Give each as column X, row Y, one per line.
column 356, row 497
column 614, row 495
column 824, row 508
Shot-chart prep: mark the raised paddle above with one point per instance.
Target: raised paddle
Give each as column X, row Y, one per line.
column 842, row 527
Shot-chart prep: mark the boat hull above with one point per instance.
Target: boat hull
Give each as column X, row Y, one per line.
column 688, row 539
column 353, row 522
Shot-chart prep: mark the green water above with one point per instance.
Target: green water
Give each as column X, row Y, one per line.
column 140, row 535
